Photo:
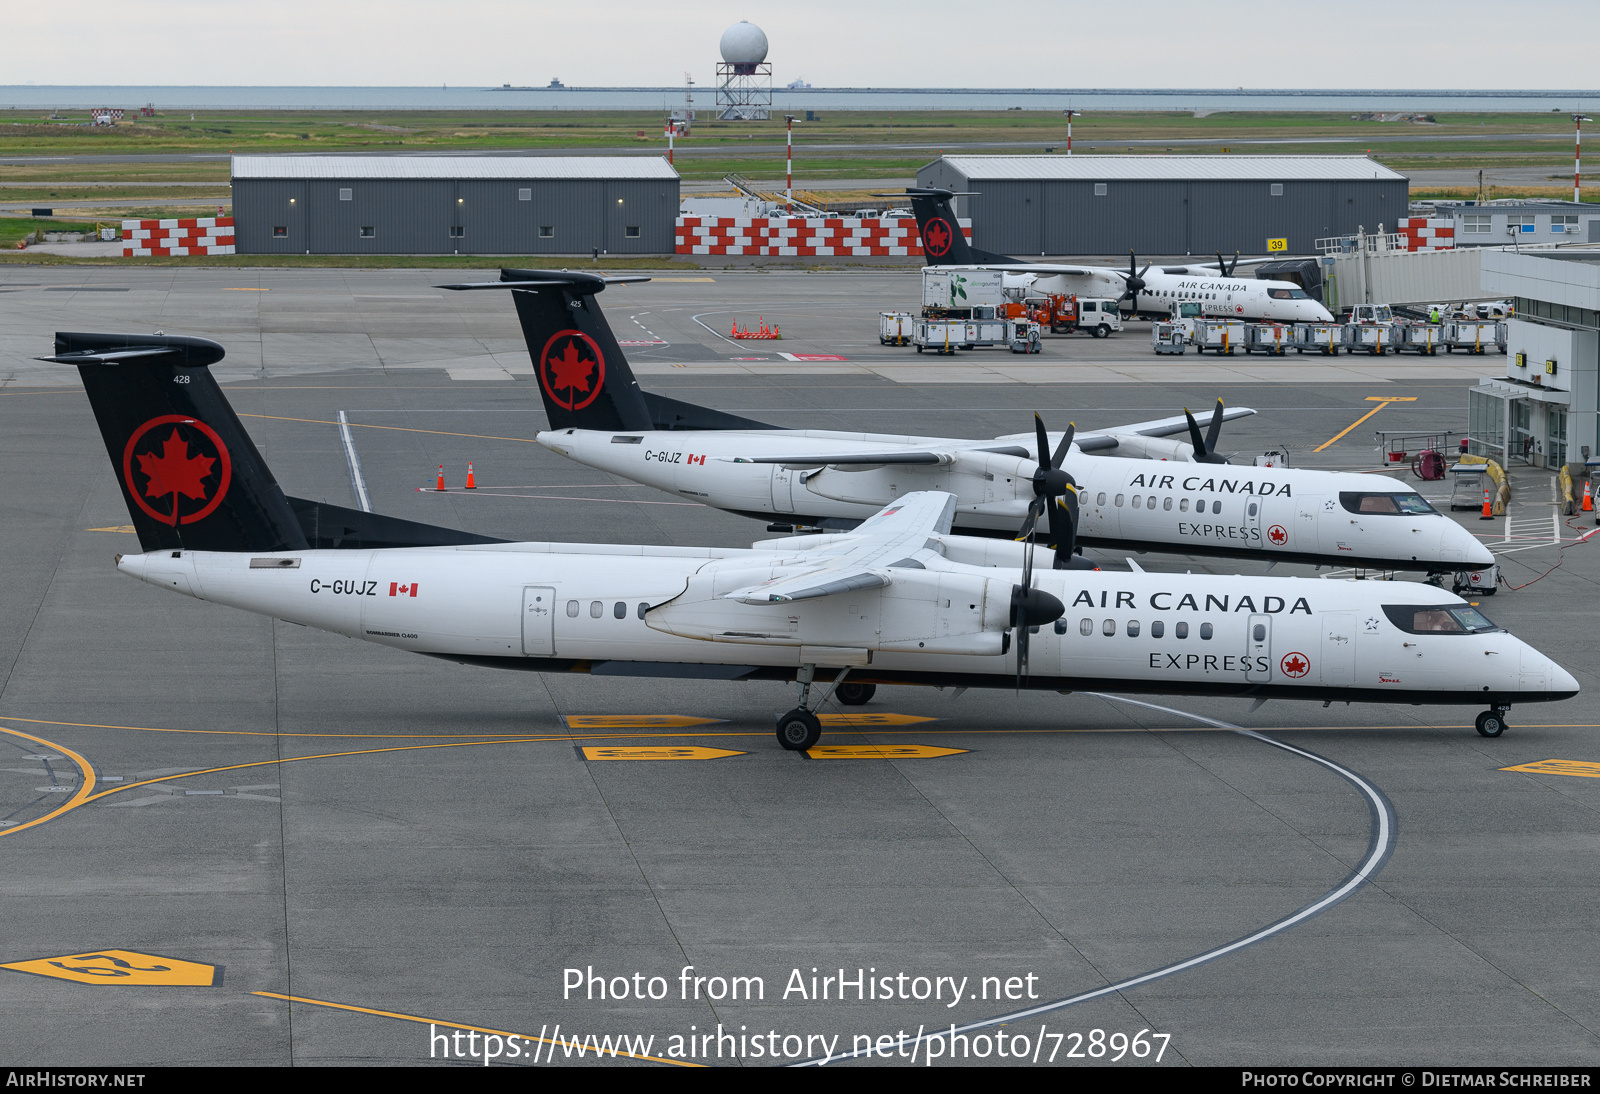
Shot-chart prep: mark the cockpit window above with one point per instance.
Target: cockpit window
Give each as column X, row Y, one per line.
column 1438, row 619
column 1288, row 294
column 1385, row 503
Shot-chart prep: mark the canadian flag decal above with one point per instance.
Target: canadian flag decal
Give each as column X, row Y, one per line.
column 397, row 589
column 701, row 460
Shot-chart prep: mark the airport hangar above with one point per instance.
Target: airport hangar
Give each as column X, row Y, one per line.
column 525, row 205
column 1168, row 205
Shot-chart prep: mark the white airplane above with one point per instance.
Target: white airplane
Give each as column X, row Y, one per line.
column 1167, row 495
column 1153, row 291
column 898, row 600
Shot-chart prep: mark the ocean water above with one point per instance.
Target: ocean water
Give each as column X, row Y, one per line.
column 31, row 97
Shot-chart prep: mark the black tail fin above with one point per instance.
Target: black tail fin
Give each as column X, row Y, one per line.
column 189, row 473
column 584, row 378
column 943, row 243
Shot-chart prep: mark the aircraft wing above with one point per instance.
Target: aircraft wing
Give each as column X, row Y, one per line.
column 1040, row 268
column 1231, row 265
column 887, row 537
column 1161, row 427
column 849, row 458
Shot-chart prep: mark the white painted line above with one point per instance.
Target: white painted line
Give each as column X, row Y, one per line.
column 354, row 461
column 1379, row 847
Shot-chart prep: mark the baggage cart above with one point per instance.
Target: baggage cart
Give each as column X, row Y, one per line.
column 895, row 327
column 1273, row 338
column 1423, row 338
column 1169, row 337
column 1472, row 336
column 1373, row 338
column 1324, row 338
column 1218, row 335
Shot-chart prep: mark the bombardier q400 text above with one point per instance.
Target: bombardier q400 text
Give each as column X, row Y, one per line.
column 1167, row 494
column 1150, row 291
column 897, row 600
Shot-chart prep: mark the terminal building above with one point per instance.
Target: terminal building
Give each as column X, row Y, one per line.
column 1544, row 411
column 1168, row 205
column 488, row 205
column 1519, row 223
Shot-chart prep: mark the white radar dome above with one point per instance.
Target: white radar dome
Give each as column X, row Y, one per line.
column 744, row 44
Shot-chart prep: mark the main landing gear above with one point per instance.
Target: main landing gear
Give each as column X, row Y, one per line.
column 799, row 729
column 1492, row 723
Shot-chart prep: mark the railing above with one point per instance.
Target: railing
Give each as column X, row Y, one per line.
column 1354, row 244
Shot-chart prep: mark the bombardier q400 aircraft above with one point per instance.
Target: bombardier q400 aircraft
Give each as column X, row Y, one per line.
column 897, row 600
column 1163, row 494
column 1150, row 291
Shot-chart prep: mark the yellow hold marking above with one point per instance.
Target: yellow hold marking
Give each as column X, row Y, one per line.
column 660, row 752
column 1581, row 768
column 841, row 721
column 881, row 752
column 123, row 967
column 635, row 721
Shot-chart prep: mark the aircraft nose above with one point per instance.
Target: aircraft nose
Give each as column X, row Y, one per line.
column 1462, row 544
column 1562, row 682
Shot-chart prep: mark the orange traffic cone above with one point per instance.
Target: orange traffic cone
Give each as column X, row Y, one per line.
column 471, row 485
column 1588, row 497
column 1488, row 506
column 440, row 484
column 733, row 331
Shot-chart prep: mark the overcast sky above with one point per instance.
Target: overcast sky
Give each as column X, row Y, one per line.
column 829, row 43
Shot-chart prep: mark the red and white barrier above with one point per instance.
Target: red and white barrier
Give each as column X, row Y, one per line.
column 189, row 236
column 853, row 237
column 1428, row 234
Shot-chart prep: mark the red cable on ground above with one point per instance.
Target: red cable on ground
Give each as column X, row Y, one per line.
column 1560, row 558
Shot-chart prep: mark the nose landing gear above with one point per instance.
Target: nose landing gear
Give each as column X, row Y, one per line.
column 1492, row 723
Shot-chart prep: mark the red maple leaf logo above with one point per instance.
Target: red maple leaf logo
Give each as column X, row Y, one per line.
column 1295, row 664
column 936, row 239
column 175, row 471
column 570, row 371
column 571, row 377
column 1277, row 534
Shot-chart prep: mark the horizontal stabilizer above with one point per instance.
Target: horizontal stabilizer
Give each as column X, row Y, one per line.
column 182, row 352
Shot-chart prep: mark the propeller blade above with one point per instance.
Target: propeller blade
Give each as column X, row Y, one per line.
column 1066, row 443
column 1044, row 441
column 1216, row 429
column 1195, row 439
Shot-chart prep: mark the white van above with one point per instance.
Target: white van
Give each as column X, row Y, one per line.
column 1099, row 316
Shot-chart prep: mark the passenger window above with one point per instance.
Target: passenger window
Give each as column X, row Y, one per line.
column 1061, row 626
column 619, row 610
column 1138, row 502
column 1166, row 504
column 1259, row 633
column 1216, row 507
column 1108, row 628
column 1085, row 627
column 1183, row 505
column 1252, row 509
column 1205, row 632
column 572, row 609
column 1151, row 501
column 643, row 607
column 1133, row 628
column 1101, row 500
column 1181, row 630
column 1157, row 629
column 596, row 610
column 1119, row 501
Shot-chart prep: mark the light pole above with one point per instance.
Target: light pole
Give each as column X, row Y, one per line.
column 1577, row 153
column 1070, row 114
column 788, row 163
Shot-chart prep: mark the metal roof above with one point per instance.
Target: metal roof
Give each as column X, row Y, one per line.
column 452, row 167
column 1180, row 168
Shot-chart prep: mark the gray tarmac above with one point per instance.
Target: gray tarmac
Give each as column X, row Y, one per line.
column 399, row 841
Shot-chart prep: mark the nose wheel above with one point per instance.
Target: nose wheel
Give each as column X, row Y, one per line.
column 1491, row 723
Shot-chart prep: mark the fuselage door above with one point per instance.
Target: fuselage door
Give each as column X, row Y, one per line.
column 1258, row 649
column 538, row 621
column 1338, row 649
column 782, row 496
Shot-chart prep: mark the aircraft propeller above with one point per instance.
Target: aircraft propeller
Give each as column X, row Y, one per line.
column 1205, row 448
column 1225, row 268
column 1133, row 284
column 1031, row 607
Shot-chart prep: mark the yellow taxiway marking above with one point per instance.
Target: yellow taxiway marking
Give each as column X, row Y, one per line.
column 636, row 721
column 1382, row 401
column 660, row 752
column 865, row 719
column 1581, row 768
column 443, row 1024
column 395, row 428
column 78, row 798
column 123, row 967
column 282, row 733
column 881, row 752
column 112, row 528
column 242, row 288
